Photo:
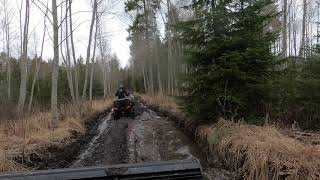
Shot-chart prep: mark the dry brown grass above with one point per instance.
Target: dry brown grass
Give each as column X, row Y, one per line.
column 261, row 152
column 255, row 152
column 163, row 102
column 100, row 105
column 33, row 134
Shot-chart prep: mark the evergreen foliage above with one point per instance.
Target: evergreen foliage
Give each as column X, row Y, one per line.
column 295, row 94
column 228, row 46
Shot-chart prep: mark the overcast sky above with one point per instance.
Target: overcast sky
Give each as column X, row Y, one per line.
column 116, row 25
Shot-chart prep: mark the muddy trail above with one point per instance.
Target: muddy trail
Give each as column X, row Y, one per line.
column 147, row 137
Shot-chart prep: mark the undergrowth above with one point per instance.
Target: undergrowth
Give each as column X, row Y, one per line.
column 255, row 152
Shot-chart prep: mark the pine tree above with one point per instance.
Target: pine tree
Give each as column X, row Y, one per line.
column 228, row 46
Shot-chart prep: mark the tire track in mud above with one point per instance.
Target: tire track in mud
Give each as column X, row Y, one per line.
column 147, row 137
column 109, row 146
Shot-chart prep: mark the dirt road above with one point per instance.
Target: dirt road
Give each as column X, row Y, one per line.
column 147, row 137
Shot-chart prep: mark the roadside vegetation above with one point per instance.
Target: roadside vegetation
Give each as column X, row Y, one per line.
column 29, row 136
column 254, row 152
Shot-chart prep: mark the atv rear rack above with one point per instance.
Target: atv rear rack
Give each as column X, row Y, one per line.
column 180, row 169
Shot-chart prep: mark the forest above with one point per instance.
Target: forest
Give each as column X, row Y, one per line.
column 242, row 77
column 251, row 60
column 256, row 60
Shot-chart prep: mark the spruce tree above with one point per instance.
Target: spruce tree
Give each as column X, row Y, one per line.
column 228, row 50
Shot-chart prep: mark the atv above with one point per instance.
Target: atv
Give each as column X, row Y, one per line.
column 123, row 107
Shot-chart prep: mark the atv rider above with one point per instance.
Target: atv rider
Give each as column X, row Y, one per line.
column 121, row 92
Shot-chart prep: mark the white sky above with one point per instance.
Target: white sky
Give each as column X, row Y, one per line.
column 115, row 26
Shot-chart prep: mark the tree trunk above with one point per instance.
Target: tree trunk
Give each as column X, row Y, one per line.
column 169, row 49
column 93, row 56
column 290, row 29
column 147, row 44
column 38, row 64
column 303, row 36
column 318, row 20
column 76, row 68
column 158, row 67
column 55, row 66
column 24, row 58
column 104, row 78
column 88, row 50
column 7, row 30
column 69, row 69
column 284, row 29
column 144, row 79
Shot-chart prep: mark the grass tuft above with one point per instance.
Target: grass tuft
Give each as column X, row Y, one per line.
column 261, row 152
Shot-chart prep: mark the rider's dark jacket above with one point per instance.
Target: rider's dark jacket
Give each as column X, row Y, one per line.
column 121, row 93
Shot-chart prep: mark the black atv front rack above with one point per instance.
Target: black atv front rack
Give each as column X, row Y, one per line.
column 180, row 169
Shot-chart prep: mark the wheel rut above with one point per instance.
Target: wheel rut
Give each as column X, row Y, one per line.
column 147, row 137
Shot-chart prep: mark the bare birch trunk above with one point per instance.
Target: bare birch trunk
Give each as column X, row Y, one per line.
column 88, row 50
column 55, row 66
column 318, row 20
column 284, row 28
column 38, row 64
column 169, row 50
column 303, row 36
column 69, row 70
column 290, row 30
column 76, row 68
column 104, row 78
column 23, row 83
column 7, row 32
column 93, row 56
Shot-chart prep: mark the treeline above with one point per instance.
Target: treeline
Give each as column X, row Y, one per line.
column 104, row 83
column 27, row 82
column 233, row 59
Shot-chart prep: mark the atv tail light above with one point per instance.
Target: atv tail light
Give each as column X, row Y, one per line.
column 116, row 109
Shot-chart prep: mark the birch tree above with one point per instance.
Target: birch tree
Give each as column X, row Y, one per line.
column 284, row 28
column 24, row 57
column 76, row 68
column 95, row 4
column 66, row 58
column 93, row 56
column 303, row 31
column 38, row 63
column 55, row 65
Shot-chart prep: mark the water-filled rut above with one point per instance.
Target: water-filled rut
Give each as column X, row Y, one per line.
column 147, row 137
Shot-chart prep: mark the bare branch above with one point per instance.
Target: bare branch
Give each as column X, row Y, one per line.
column 65, row 16
column 46, row 6
column 72, row 31
column 46, row 14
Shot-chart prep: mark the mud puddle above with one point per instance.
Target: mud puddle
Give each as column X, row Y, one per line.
column 147, row 137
